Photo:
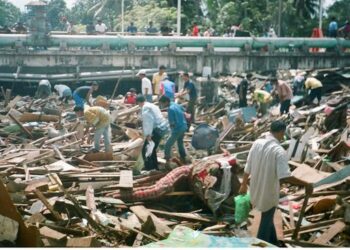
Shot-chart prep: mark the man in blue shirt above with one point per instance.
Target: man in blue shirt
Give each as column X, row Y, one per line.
column 167, row 88
column 178, row 126
column 333, row 28
column 189, row 89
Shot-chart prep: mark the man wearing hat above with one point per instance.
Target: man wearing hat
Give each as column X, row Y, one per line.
column 146, row 85
column 100, row 27
column 83, row 94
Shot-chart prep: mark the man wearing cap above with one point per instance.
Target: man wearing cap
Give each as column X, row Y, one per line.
column 100, row 27
column 83, row 94
column 267, row 167
column 44, row 89
column 146, row 85
column 167, row 88
column 100, row 119
column 285, row 94
column 315, row 87
column 154, row 127
column 178, row 126
column 64, row 92
column 157, row 78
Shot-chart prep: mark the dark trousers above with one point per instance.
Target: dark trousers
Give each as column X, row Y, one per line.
column 267, row 231
column 191, row 109
column 315, row 93
column 285, row 107
column 151, row 162
column 243, row 102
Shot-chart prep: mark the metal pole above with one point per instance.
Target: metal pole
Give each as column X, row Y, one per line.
column 279, row 17
column 320, row 20
column 122, row 17
column 178, row 17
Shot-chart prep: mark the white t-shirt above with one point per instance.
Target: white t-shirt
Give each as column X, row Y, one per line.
column 267, row 164
column 146, row 84
column 101, row 28
column 60, row 88
column 45, row 83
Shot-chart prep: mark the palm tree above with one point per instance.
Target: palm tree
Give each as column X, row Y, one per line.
column 306, row 8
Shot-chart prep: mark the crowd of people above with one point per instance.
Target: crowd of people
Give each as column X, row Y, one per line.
column 155, row 127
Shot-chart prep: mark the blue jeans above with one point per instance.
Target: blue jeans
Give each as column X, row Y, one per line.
column 148, row 98
column 105, row 131
column 267, row 231
column 79, row 102
column 175, row 137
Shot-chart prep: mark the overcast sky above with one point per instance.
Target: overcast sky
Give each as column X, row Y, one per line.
column 21, row 3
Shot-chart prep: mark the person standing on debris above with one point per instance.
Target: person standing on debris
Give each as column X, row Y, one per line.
column 64, row 92
column 178, row 126
column 154, row 128
column 130, row 97
column 167, row 88
column 100, row 27
column 298, row 82
column 190, row 89
column 100, row 120
column 285, row 94
column 83, row 94
column 242, row 90
column 157, row 78
column 146, row 85
column 44, row 89
column 333, row 28
column 267, row 167
column 315, row 87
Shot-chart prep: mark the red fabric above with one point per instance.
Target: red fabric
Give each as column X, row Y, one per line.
column 195, row 31
column 316, row 33
column 163, row 186
column 130, row 99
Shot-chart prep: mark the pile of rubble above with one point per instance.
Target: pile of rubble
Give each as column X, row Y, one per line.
column 56, row 193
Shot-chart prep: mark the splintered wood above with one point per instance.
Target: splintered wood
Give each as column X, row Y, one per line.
column 57, row 191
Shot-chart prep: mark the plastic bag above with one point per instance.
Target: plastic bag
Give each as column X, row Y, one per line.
column 242, row 208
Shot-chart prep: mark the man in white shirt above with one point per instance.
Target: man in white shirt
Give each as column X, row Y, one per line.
column 267, row 165
column 64, row 92
column 146, row 85
column 154, row 127
column 100, row 27
column 44, row 89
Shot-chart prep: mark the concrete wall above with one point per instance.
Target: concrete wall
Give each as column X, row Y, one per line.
column 193, row 61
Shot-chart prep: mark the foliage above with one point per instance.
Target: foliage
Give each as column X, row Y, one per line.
column 306, row 8
column 141, row 14
column 9, row 14
column 340, row 10
column 56, row 9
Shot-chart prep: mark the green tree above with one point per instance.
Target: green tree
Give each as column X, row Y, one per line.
column 340, row 10
column 9, row 14
column 56, row 9
column 306, row 8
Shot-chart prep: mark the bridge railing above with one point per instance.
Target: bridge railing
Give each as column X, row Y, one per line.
column 119, row 42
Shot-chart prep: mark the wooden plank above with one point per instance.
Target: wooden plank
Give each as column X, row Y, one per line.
column 305, row 243
column 291, row 148
column 52, row 234
column 25, row 130
column 302, row 143
column 47, row 204
column 308, row 174
column 126, row 179
column 59, row 138
column 89, row 241
column 314, row 226
column 143, row 213
column 184, row 216
column 328, row 235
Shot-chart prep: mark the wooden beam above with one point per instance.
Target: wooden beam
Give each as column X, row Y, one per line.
column 25, row 130
column 47, row 204
column 336, row 228
column 126, row 179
